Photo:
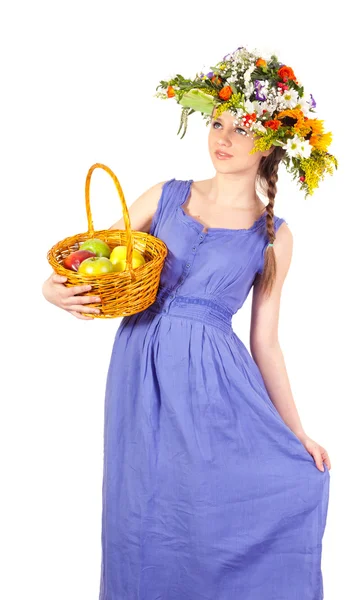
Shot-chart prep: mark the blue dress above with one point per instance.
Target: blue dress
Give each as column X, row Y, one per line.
column 207, row 493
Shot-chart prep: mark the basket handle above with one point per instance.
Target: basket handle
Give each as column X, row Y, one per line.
column 128, row 230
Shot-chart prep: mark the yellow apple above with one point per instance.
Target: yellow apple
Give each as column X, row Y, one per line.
column 96, row 265
column 118, row 255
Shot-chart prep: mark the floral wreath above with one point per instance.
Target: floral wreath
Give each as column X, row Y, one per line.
column 268, row 101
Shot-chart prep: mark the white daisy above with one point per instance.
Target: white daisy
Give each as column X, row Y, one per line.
column 305, row 149
column 304, row 106
column 290, row 98
column 292, row 146
column 296, row 147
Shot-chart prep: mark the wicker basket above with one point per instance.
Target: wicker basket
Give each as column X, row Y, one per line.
column 122, row 293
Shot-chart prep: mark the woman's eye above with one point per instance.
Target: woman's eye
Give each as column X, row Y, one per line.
column 240, row 129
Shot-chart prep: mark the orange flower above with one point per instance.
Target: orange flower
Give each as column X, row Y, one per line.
column 261, row 63
column 273, row 124
column 286, row 73
column 225, row 93
column 170, row 91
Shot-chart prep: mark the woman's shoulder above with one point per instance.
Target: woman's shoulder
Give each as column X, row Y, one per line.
column 278, row 221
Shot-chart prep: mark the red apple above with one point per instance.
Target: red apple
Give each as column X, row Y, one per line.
column 74, row 259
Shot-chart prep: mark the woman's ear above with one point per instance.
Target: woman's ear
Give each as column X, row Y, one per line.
column 268, row 152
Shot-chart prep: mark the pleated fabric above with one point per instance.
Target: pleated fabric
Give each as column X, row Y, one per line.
column 207, row 493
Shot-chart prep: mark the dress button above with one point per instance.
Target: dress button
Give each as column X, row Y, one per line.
column 187, row 265
column 201, row 237
column 193, row 248
column 171, row 296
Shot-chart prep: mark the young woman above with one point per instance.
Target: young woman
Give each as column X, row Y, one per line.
column 212, row 489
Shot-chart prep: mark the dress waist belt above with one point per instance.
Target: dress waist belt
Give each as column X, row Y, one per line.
column 201, row 309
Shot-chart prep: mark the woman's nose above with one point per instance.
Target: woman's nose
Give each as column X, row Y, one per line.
column 224, row 142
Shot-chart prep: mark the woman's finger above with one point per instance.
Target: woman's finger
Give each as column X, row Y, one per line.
column 75, row 300
column 326, row 458
column 58, row 278
column 76, row 289
column 83, row 309
column 318, row 459
column 80, row 316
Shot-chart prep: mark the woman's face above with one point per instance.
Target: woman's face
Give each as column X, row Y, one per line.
column 232, row 139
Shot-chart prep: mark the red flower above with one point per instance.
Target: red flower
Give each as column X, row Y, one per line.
column 282, row 86
column 249, row 118
column 302, row 178
column 286, row 73
column 170, row 91
column 273, row 124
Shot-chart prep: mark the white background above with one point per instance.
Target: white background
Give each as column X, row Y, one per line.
column 77, row 87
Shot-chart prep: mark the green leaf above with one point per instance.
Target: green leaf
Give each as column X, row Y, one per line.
column 198, row 100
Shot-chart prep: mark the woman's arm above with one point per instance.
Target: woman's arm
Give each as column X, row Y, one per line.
column 142, row 210
column 264, row 343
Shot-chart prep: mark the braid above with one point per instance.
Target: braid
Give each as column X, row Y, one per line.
column 268, row 176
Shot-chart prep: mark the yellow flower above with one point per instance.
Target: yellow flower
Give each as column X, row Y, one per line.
column 294, row 113
column 315, row 167
column 301, row 127
column 264, row 141
column 321, row 142
column 316, row 125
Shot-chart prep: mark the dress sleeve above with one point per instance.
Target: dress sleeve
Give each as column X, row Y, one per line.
column 277, row 223
column 157, row 217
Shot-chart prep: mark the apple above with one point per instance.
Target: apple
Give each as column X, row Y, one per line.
column 118, row 255
column 99, row 247
column 96, row 265
column 73, row 260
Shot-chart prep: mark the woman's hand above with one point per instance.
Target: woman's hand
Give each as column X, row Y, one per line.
column 318, row 452
column 66, row 298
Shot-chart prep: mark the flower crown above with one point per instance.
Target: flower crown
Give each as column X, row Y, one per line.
column 268, row 101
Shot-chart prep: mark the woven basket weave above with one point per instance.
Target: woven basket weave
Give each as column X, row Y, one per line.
column 122, row 293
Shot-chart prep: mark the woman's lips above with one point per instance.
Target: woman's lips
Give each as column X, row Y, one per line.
column 222, row 155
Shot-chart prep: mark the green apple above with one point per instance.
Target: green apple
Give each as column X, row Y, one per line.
column 99, row 247
column 96, row 265
column 118, row 256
